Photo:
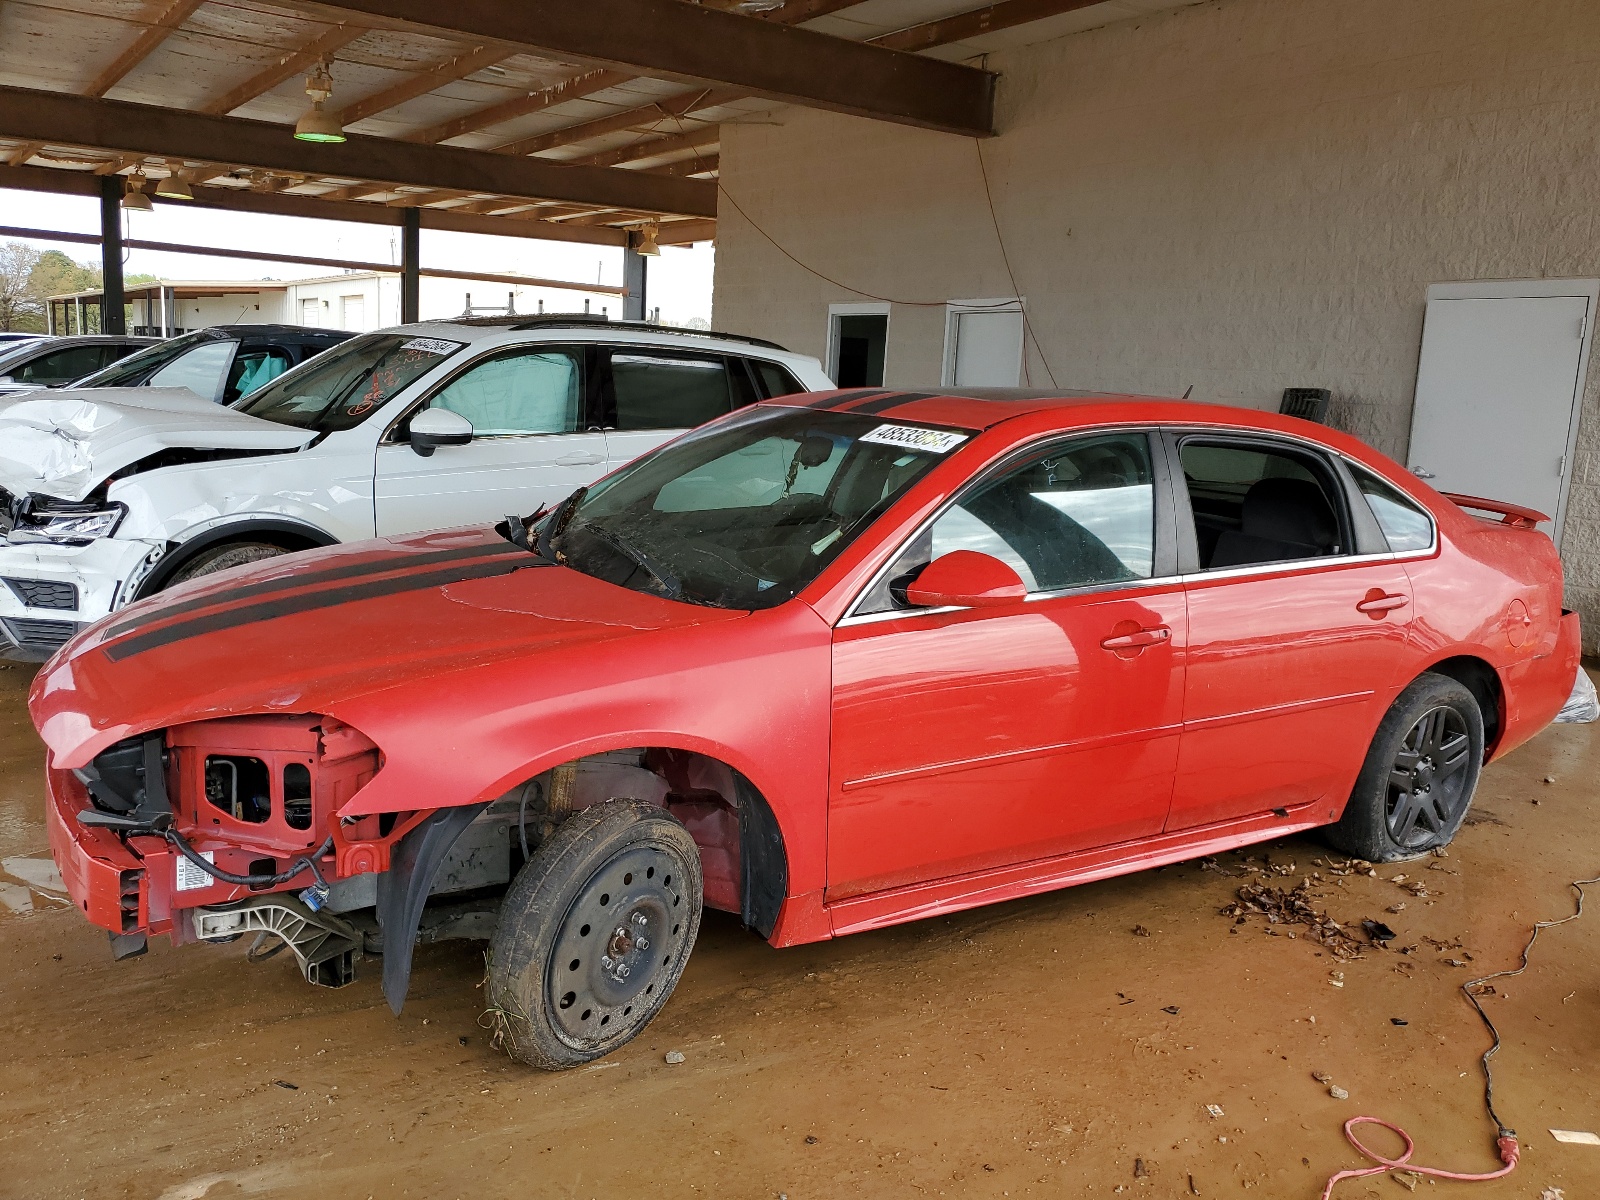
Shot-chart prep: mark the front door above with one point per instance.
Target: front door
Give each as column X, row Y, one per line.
column 529, row 447
column 1294, row 649
column 971, row 738
column 1498, row 386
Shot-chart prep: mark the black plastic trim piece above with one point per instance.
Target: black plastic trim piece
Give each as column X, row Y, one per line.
column 763, row 862
column 403, row 893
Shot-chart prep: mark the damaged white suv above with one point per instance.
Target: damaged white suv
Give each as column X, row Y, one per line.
column 110, row 495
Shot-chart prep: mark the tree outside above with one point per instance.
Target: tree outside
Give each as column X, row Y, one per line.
column 28, row 277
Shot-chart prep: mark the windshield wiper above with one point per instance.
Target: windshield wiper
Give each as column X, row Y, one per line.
column 555, row 525
column 668, row 581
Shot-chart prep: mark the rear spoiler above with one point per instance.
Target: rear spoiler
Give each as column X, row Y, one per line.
column 1513, row 515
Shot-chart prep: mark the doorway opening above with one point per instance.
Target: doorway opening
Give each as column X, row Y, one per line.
column 858, row 343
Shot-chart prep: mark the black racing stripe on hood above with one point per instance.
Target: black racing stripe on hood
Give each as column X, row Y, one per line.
column 382, row 565
column 250, row 614
column 886, row 403
column 834, row 401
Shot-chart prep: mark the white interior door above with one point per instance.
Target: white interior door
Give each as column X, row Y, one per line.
column 1497, row 394
column 983, row 346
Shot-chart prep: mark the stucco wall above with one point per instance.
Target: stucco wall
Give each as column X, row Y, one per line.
column 1240, row 196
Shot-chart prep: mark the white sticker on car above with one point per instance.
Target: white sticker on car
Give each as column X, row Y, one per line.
column 190, row 876
column 433, row 345
column 911, row 437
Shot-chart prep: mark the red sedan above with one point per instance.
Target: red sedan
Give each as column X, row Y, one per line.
column 831, row 663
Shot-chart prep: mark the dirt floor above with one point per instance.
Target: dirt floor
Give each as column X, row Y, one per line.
column 1068, row 1045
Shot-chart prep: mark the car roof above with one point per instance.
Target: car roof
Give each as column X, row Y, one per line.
column 93, row 339
column 977, row 409
column 480, row 328
column 277, row 330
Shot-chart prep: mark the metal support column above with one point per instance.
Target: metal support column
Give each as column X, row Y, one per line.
column 112, row 315
column 410, row 265
column 633, row 278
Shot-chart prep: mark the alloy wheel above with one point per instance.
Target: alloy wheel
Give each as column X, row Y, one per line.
column 1427, row 780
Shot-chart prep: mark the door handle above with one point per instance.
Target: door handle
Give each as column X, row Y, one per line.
column 1138, row 639
column 1376, row 606
column 1423, row 473
column 580, row 458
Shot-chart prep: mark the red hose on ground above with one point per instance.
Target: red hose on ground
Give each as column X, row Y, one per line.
column 1506, row 1143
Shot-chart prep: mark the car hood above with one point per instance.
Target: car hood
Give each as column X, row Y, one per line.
column 66, row 442
column 315, row 631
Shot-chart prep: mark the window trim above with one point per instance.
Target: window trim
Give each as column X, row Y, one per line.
column 1164, row 568
column 584, row 352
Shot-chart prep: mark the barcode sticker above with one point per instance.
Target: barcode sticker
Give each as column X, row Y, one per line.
column 911, row 437
column 190, row 876
column 432, row 345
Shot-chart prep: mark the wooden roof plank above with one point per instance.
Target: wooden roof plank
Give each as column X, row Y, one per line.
column 421, row 83
column 163, row 17
column 324, row 45
column 520, row 106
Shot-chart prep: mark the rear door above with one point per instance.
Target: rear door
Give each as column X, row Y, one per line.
column 650, row 394
column 1296, row 633
column 531, row 446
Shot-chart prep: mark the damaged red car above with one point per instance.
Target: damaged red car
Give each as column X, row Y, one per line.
column 833, row 662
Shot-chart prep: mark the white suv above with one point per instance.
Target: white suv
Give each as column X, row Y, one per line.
column 113, row 494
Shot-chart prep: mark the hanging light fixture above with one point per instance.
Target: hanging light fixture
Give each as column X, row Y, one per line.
column 643, row 239
column 174, row 187
column 317, row 125
column 134, row 199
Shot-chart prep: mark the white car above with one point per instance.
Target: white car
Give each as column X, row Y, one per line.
column 110, row 495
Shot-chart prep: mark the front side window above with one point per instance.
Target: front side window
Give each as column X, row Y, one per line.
column 663, row 390
column 201, row 370
column 748, row 512
column 1080, row 514
column 136, row 368
column 533, row 390
column 1254, row 504
column 344, row 386
column 1405, row 526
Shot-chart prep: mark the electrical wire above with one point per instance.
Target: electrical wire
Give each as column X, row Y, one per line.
column 994, row 219
column 1506, row 1137
column 305, row 862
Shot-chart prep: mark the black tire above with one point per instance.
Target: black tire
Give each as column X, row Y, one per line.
column 593, row 934
column 1417, row 784
column 220, row 558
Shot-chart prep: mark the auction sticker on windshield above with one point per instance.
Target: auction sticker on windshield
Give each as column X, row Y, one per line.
column 911, row 437
column 432, row 345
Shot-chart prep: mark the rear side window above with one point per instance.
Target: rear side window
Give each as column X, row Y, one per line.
column 61, row 366
column 662, row 390
column 1255, row 504
column 775, row 381
column 1405, row 526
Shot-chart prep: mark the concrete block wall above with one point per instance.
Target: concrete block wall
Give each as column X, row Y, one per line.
column 1241, row 196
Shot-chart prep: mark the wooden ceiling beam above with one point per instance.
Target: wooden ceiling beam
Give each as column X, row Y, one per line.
column 695, row 139
column 84, row 183
column 112, row 125
column 162, row 18
column 422, row 82
column 989, row 19
column 325, row 45
column 675, row 40
column 669, row 108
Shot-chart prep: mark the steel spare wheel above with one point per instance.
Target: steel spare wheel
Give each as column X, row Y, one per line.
column 594, row 934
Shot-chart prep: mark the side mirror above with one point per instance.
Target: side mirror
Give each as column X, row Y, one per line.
column 435, row 427
column 966, row 579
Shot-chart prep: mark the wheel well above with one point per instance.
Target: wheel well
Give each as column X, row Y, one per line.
column 288, row 535
column 1479, row 678
column 742, row 854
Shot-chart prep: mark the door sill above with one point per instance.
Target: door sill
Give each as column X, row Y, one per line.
column 936, row 897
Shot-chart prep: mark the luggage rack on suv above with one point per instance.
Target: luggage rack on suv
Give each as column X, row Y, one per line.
column 590, row 320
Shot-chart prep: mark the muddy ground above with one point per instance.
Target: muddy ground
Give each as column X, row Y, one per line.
column 1063, row 1046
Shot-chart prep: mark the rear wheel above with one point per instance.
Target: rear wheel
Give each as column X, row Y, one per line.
column 594, row 934
column 220, row 558
column 1420, row 775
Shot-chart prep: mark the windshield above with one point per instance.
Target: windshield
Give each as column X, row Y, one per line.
column 132, row 371
column 747, row 512
column 341, row 387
